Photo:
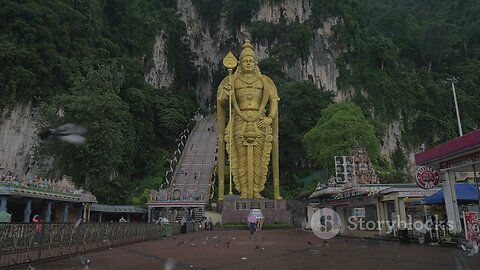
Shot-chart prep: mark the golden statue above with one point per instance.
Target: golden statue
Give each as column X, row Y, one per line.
column 252, row 131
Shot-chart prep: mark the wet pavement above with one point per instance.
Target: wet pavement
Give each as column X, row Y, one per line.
column 271, row 249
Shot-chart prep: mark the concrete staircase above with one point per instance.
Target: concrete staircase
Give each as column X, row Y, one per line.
column 191, row 181
column 189, row 190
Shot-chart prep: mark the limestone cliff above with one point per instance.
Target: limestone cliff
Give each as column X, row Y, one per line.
column 17, row 140
column 319, row 68
column 159, row 74
column 17, row 128
column 210, row 48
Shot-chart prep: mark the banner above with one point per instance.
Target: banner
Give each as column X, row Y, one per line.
column 472, row 226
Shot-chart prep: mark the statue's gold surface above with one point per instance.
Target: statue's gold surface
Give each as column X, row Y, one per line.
column 251, row 135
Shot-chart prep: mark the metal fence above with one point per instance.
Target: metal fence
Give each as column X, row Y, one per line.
column 22, row 243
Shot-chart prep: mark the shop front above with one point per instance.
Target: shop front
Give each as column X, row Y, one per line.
column 453, row 159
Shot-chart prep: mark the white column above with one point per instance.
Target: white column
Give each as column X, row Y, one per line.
column 402, row 213
column 65, row 212
column 48, row 212
column 381, row 217
column 27, row 212
column 3, row 203
column 396, row 218
column 451, row 202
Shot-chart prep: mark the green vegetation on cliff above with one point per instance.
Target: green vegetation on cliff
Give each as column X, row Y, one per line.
column 88, row 58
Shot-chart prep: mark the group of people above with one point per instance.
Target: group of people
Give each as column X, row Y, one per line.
column 207, row 223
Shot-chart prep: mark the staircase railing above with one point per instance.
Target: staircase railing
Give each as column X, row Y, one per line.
column 213, row 180
column 176, row 157
column 169, row 174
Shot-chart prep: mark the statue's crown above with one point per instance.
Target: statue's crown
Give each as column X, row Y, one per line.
column 247, row 49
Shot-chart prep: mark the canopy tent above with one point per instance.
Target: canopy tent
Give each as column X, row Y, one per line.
column 466, row 194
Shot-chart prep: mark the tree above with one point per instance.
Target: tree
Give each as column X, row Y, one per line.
column 295, row 100
column 94, row 104
column 341, row 127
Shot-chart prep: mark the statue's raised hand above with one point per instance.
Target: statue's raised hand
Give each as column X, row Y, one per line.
column 264, row 122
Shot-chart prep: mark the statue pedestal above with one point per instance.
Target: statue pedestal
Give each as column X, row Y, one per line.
column 236, row 210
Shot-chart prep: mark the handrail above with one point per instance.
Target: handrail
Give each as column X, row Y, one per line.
column 177, row 158
column 213, row 179
column 23, row 243
column 174, row 160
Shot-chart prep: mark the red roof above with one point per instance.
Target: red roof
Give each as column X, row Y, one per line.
column 449, row 148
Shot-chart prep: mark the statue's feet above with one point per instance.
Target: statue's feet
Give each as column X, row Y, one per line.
column 257, row 196
column 243, row 196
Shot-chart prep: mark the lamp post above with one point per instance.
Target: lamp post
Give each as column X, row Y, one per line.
column 453, row 81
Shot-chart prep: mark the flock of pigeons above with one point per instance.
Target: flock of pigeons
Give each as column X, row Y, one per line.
column 171, row 263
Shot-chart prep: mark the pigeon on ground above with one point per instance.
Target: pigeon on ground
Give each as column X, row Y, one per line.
column 308, row 242
column 70, row 133
column 170, row 264
column 473, row 251
column 84, row 261
column 181, row 243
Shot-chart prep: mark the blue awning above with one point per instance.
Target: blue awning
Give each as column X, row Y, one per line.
column 466, row 194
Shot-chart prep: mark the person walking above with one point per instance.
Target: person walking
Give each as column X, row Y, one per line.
column 37, row 220
column 252, row 224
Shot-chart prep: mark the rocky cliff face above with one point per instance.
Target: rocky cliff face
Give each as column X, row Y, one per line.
column 289, row 10
column 210, row 48
column 392, row 140
column 320, row 67
column 17, row 140
column 159, row 75
column 17, row 128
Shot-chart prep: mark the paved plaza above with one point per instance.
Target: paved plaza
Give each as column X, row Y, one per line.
column 271, row 249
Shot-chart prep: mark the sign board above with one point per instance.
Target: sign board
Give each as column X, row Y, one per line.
column 421, row 194
column 257, row 213
column 359, row 212
column 427, row 177
column 472, row 225
column 461, row 161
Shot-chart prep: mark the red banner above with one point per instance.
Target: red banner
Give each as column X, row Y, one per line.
column 472, row 225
